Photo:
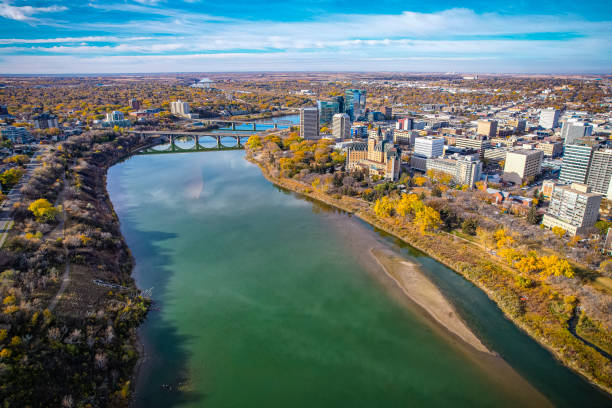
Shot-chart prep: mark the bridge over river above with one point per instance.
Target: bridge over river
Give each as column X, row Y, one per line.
column 172, row 137
column 252, row 125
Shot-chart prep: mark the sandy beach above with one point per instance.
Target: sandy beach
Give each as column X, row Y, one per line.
column 424, row 293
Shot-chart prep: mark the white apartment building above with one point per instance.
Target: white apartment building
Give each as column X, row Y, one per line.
column 114, row 116
column 549, row 118
column 179, row 108
column 341, row 126
column 464, row 169
column 521, row 165
column 429, row 146
column 573, row 208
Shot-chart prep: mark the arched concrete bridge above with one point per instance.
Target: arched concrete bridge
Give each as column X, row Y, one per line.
column 170, row 136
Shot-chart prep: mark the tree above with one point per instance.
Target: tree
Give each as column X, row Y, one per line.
column 383, row 207
column 436, row 192
column 419, row 181
column 529, row 263
column 533, row 217
column 254, row 142
column 427, row 219
column 409, row 203
column 469, row 226
column 43, row 210
column 10, row 177
column 603, row 226
column 552, row 265
column 503, row 239
column 574, row 241
column 560, row 232
column 19, row 159
column 509, row 254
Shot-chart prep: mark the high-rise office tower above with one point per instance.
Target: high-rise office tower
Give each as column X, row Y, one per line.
column 309, row 123
column 388, row 113
column 600, row 172
column 429, row 146
column 341, row 126
column 571, row 131
column 522, row 165
column 487, row 128
column 576, row 161
column 354, row 103
column 549, row 118
column 327, row 109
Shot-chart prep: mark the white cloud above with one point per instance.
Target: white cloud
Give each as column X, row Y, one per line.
column 25, row 13
column 198, row 42
column 85, row 39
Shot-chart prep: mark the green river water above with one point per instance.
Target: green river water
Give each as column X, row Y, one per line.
column 266, row 299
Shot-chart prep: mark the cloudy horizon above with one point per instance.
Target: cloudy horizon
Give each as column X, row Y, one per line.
column 201, row 36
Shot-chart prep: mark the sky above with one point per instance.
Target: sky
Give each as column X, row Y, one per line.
column 123, row 36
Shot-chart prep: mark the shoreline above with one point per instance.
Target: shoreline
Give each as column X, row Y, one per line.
column 302, row 189
column 420, row 290
column 425, row 298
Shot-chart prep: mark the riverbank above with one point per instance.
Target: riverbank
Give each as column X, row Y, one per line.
column 492, row 277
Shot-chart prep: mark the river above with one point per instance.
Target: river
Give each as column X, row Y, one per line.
column 263, row 298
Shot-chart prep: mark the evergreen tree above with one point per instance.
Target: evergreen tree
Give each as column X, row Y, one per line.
column 533, row 217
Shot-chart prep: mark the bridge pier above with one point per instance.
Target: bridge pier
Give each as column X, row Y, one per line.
column 233, row 125
column 238, row 140
column 275, row 125
column 197, row 142
column 254, row 126
column 218, row 142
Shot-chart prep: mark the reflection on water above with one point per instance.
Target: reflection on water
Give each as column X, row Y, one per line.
column 268, row 299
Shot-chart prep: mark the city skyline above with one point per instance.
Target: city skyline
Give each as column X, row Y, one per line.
column 195, row 36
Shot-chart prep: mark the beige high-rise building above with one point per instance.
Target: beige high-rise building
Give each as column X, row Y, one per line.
column 519, row 125
column 487, row 128
column 551, row 149
column 521, row 165
column 573, row 208
column 341, row 126
column 470, row 143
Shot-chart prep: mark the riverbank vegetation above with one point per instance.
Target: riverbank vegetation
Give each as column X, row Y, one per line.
column 540, row 291
column 64, row 339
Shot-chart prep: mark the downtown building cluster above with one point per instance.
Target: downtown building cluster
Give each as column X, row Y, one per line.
column 511, row 146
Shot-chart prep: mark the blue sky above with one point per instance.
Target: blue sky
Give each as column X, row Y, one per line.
column 111, row 36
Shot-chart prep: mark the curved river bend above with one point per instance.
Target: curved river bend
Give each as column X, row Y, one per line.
column 266, row 299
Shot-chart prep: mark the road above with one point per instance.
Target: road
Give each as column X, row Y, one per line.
column 6, row 209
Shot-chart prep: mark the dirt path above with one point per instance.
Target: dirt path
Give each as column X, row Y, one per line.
column 59, row 231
